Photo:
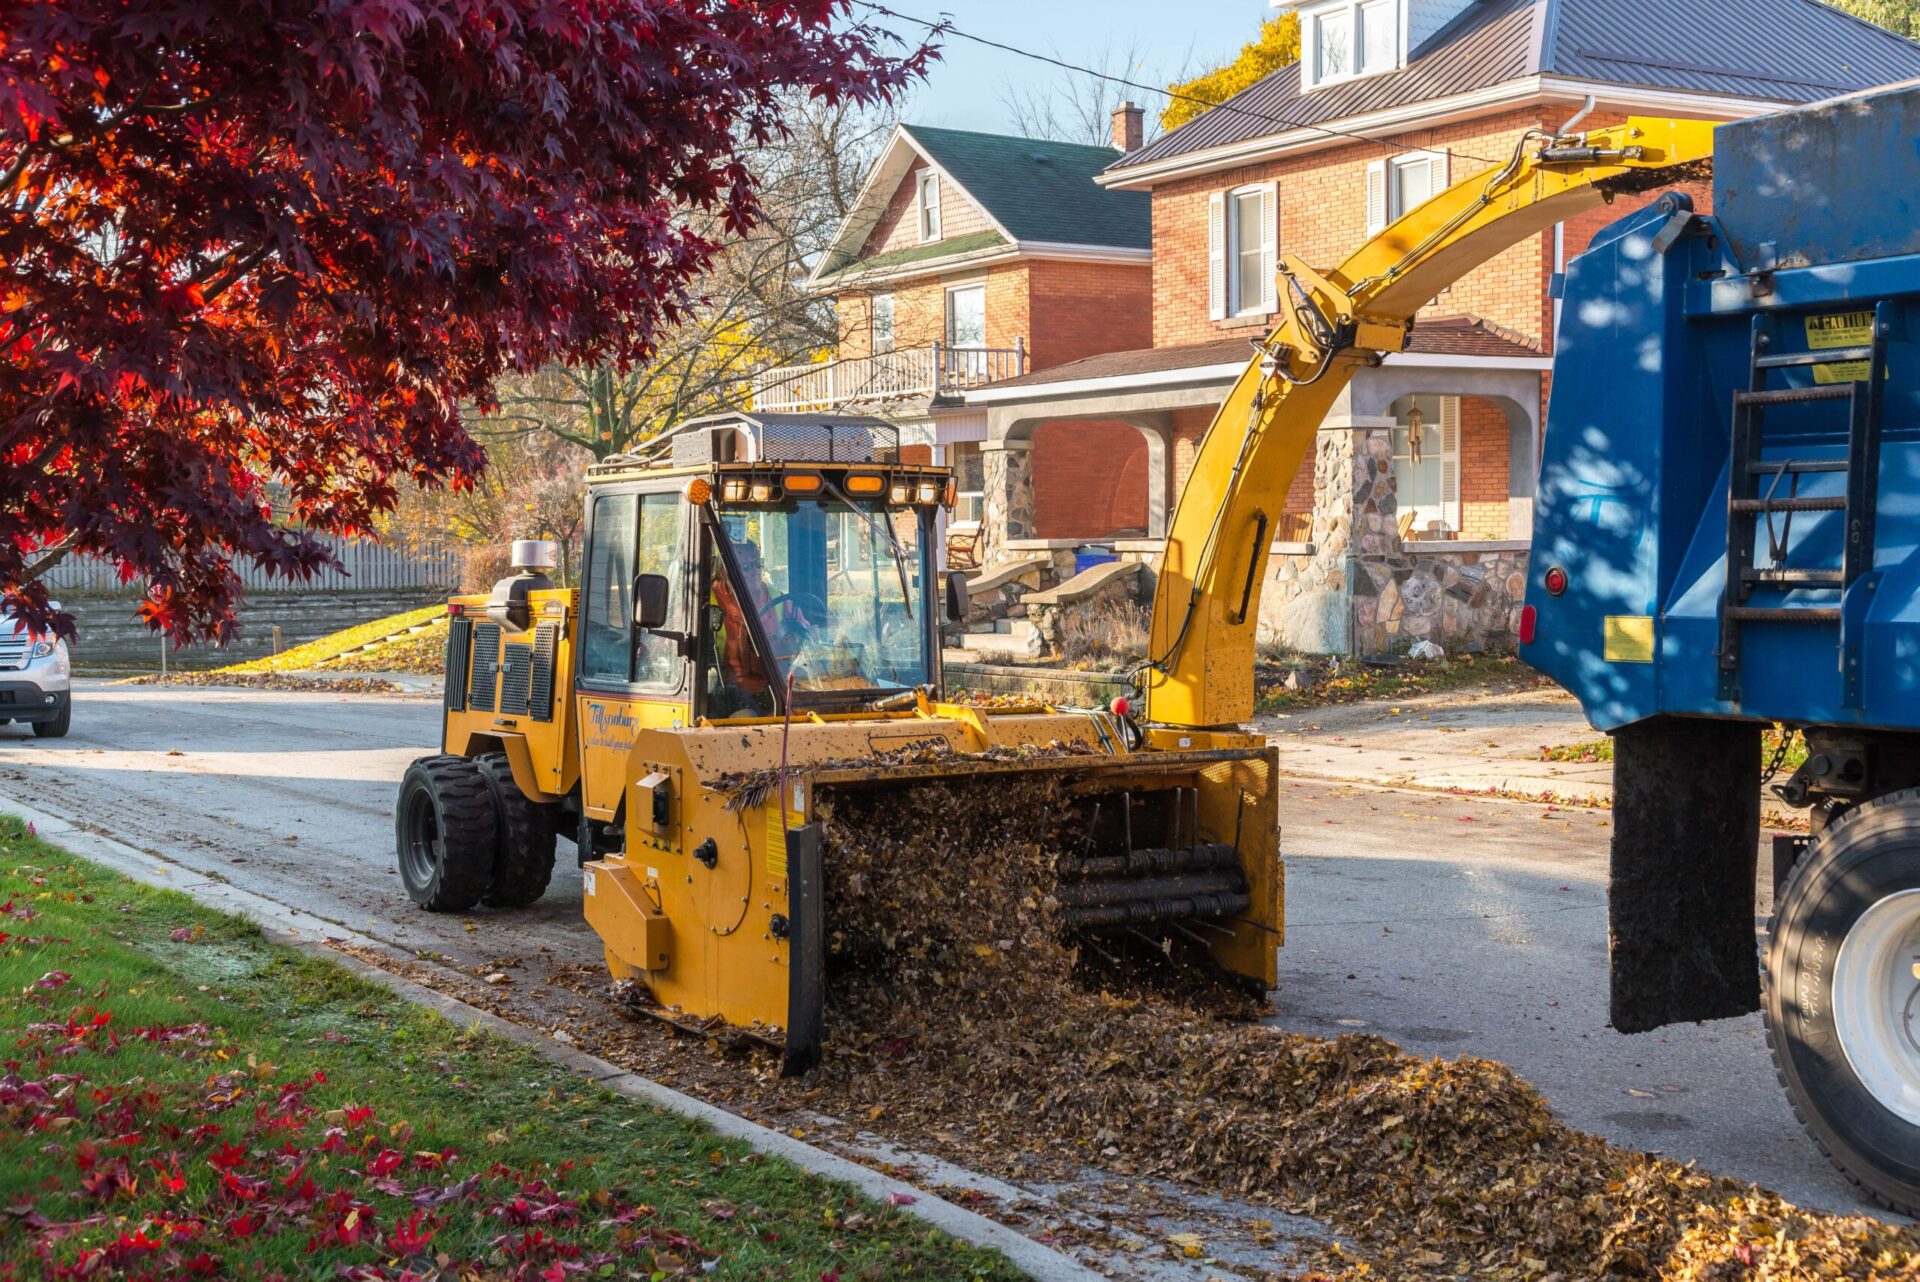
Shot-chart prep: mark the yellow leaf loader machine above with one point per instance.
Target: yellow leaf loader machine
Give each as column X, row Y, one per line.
column 759, row 598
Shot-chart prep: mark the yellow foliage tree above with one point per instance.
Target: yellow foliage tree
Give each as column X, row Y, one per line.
column 1277, row 45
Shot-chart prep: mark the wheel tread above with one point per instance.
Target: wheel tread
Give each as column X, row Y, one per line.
column 524, row 851
column 1804, row 870
column 467, row 826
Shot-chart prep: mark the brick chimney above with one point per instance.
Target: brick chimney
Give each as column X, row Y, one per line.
column 1129, row 127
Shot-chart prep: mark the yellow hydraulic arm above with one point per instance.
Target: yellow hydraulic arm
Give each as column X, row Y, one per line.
column 1207, row 603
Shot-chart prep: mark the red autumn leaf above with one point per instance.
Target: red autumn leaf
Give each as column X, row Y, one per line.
column 411, row 1236
column 285, row 249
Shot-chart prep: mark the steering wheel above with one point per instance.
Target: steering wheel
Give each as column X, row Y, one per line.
column 811, row 608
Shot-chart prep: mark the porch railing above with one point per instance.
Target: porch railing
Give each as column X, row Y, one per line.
column 903, row 374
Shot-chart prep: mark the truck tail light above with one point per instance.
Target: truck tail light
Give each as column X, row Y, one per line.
column 1556, row 581
column 1529, row 622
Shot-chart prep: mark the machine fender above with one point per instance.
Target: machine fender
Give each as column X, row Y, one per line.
column 520, row 758
column 806, row 948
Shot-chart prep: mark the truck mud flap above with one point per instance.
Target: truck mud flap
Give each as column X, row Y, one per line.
column 1686, row 837
column 806, row 949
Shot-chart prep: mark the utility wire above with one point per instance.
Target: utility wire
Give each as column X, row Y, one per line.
column 946, row 27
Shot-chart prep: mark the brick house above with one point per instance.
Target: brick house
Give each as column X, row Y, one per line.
column 1411, row 518
column 968, row 259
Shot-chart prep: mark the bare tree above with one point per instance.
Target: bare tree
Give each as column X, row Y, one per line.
column 755, row 311
column 1078, row 105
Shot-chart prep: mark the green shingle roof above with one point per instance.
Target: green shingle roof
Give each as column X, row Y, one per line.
column 1042, row 190
column 919, row 253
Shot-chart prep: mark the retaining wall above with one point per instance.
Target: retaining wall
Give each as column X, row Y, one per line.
column 111, row 637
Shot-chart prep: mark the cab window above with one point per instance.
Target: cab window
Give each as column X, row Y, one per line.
column 631, row 535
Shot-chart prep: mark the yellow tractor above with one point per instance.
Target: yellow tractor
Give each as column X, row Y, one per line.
column 757, row 630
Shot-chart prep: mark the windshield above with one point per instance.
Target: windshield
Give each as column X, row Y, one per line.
column 839, row 592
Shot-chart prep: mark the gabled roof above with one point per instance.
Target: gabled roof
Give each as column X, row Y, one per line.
column 1040, row 190
column 1765, row 51
column 1036, row 194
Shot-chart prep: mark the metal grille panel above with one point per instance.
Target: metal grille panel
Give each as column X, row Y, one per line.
column 546, row 643
column 459, row 655
column 516, row 679
column 486, row 667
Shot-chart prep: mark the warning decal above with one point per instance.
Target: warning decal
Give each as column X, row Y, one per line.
column 1846, row 329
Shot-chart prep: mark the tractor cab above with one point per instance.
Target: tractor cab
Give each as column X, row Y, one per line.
column 744, row 568
column 758, row 567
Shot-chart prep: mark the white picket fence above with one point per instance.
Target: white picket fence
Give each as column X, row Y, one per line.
column 364, row 567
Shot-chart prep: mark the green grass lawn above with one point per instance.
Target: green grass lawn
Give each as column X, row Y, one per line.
column 1588, row 751
column 313, row 653
column 180, row 1098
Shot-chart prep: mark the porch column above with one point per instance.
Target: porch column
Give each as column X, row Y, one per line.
column 1008, row 465
column 1321, row 597
column 1157, row 430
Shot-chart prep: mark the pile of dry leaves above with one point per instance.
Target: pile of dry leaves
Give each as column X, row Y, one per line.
column 272, row 681
column 957, row 1012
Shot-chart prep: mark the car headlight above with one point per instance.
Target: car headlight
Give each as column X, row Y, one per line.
column 41, row 649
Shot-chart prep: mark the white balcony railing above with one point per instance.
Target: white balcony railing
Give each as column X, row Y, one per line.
column 904, row 374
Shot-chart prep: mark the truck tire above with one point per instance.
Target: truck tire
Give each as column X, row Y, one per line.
column 524, row 843
column 1843, row 995
column 445, row 833
column 56, row 728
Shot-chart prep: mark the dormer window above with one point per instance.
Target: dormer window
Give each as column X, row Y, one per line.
column 927, row 204
column 1344, row 39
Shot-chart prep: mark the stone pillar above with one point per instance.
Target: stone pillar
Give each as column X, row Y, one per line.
column 1375, row 563
column 1324, row 601
column 1008, row 465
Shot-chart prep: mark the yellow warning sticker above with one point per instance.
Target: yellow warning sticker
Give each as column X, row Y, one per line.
column 1629, row 638
column 1844, row 329
column 777, row 833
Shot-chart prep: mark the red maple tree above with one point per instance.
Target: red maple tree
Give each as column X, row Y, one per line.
column 272, row 246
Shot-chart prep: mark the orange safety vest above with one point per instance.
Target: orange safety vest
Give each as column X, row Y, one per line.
column 738, row 660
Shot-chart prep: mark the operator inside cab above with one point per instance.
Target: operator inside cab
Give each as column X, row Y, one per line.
column 831, row 589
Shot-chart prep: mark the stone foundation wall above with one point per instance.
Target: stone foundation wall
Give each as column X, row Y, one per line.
column 1458, row 600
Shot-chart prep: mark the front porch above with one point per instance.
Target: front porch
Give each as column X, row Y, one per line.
column 1409, row 520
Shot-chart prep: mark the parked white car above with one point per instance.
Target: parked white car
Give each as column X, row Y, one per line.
column 36, row 686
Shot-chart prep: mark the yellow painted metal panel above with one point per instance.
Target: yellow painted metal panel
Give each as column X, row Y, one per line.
column 1628, row 638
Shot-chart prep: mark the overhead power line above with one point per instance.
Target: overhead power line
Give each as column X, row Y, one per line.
column 946, row 27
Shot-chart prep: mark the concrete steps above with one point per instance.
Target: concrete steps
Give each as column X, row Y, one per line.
column 1008, row 637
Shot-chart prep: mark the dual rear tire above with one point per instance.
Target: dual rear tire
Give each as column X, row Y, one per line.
column 464, row 833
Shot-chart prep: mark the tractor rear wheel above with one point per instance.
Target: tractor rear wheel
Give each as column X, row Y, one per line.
column 1843, row 995
column 445, row 833
column 524, row 844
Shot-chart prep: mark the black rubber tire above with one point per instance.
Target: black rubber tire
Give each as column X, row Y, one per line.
column 56, row 728
column 524, row 843
column 445, row 833
column 1866, row 854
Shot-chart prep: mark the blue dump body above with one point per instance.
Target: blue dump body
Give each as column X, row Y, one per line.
column 1813, row 248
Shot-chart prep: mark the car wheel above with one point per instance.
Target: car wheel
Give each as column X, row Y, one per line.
column 56, row 728
column 445, row 833
column 1843, row 995
column 524, row 858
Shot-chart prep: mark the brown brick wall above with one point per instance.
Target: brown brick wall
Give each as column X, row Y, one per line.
column 920, row 310
column 1323, row 218
column 1089, row 480
column 1485, row 463
column 1085, row 309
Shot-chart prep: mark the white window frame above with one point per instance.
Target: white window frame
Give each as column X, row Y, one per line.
column 1225, row 252
column 926, row 204
column 1440, row 447
column 1358, row 14
column 1382, row 205
column 881, row 303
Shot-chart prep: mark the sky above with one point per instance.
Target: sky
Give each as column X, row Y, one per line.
column 968, row 87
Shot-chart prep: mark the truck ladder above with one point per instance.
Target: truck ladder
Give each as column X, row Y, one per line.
column 1748, row 504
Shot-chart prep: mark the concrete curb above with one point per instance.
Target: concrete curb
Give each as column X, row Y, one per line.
column 309, row 934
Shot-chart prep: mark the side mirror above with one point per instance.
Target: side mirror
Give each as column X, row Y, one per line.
column 652, row 594
column 959, row 600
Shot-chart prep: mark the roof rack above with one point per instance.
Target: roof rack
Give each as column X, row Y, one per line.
column 741, row 437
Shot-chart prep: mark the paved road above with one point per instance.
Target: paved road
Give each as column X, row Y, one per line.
column 1451, row 925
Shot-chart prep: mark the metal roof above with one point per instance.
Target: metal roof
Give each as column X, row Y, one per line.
column 1774, row 50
